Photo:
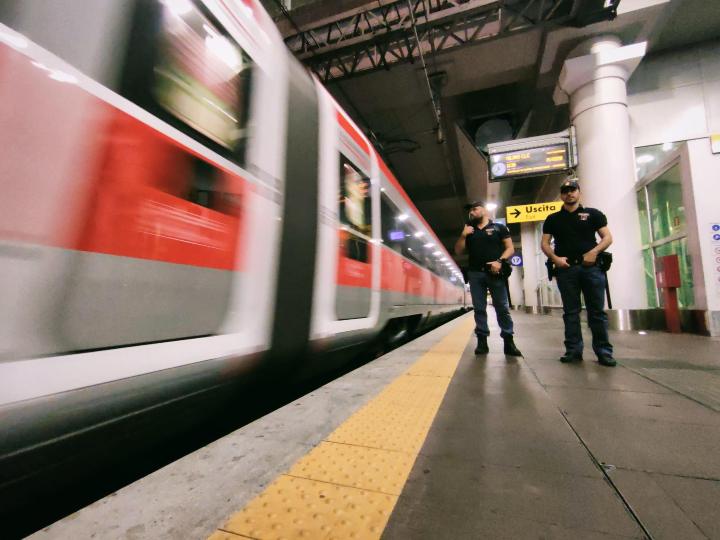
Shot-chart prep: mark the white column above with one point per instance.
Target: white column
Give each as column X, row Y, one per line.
column 516, row 288
column 530, row 263
column 594, row 79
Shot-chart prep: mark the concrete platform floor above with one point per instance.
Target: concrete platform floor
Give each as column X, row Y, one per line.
column 533, row 448
column 520, row 448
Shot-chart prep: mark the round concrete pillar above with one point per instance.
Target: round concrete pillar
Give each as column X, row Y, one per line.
column 531, row 275
column 515, row 284
column 595, row 83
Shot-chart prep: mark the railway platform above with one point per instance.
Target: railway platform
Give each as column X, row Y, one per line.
column 432, row 442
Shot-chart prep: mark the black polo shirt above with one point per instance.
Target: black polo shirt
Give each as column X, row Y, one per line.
column 486, row 245
column 574, row 232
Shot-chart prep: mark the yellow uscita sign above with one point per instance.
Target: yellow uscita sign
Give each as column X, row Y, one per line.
column 532, row 212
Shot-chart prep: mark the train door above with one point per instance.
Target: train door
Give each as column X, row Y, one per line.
column 348, row 266
column 354, row 270
column 162, row 245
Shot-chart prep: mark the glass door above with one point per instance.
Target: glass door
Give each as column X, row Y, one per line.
column 663, row 224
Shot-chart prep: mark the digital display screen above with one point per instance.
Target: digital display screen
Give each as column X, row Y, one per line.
column 396, row 236
column 529, row 162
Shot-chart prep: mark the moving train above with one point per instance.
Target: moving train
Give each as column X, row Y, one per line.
column 183, row 204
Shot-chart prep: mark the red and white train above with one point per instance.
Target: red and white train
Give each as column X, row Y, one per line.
column 181, row 203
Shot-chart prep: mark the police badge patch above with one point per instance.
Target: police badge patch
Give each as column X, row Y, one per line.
column 583, row 216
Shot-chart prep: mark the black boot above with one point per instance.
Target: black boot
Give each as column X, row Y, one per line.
column 510, row 348
column 482, row 346
column 606, row 360
column 569, row 357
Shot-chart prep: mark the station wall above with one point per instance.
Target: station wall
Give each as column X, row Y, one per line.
column 674, row 97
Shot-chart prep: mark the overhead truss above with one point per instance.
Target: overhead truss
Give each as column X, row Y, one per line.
column 380, row 34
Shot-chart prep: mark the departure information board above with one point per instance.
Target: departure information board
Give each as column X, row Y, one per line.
column 529, row 162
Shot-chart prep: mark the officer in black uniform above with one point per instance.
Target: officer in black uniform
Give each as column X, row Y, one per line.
column 575, row 260
column 489, row 246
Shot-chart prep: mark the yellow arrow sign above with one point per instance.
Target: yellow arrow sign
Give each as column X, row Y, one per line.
column 532, row 212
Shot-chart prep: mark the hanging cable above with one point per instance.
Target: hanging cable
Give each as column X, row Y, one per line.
column 433, row 56
column 436, row 107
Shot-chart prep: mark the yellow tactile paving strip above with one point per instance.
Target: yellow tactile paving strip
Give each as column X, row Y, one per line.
column 347, row 486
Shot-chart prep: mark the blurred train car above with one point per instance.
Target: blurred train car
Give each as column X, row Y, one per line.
column 183, row 205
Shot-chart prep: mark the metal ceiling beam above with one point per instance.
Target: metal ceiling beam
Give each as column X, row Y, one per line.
column 379, row 36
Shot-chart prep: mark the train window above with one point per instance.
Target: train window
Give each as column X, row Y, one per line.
column 400, row 235
column 387, row 211
column 355, row 210
column 413, row 246
column 393, row 224
column 201, row 76
column 212, row 188
column 186, row 69
column 355, row 206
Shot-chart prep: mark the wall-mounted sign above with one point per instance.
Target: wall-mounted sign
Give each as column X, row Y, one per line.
column 516, row 260
column 715, row 143
column 532, row 212
column 714, row 233
column 532, row 161
column 532, row 156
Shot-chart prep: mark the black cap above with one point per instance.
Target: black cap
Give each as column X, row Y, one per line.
column 569, row 185
column 473, row 204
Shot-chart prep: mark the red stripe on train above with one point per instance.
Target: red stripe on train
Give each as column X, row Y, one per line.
column 397, row 275
column 122, row 190
column 140, row 205
column 352, row 272
column 354, row 133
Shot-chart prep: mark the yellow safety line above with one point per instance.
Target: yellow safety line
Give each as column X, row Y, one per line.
column 347, row 486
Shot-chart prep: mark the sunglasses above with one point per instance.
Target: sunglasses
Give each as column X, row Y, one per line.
column 563, row 191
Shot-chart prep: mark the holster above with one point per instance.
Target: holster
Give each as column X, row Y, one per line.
column 550, row 267
column 604, row 261
column 506, row 269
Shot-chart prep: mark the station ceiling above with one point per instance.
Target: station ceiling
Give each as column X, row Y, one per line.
column 488, row 70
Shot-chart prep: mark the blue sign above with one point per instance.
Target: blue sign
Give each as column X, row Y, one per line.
column 716, row 236
column 396, row 236
column 516, row 260
column 716, row 227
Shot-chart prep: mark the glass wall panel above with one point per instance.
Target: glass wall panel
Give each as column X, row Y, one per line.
column 644, row 221
column 648, row 158
column 649, row 271
column 666, row 204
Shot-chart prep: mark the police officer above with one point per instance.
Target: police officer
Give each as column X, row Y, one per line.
column 489, row 246
column 575, row 260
